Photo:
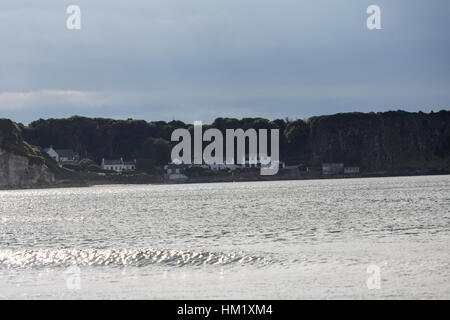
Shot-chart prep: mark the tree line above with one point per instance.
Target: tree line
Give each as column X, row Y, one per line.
column 350, row 137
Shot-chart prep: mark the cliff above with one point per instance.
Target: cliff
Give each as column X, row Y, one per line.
column 388, row 141
column 22, row 165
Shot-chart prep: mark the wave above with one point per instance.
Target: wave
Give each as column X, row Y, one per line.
column 121, row 257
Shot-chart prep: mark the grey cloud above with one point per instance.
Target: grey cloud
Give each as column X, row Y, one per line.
column 181, row 59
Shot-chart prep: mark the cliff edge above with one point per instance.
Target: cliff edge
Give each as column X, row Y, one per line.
column 389, row 141
column 23, row 165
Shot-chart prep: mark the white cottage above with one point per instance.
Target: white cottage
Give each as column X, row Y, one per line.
column 118, row 165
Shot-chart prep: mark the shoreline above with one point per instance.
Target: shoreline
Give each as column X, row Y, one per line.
column 105, row 184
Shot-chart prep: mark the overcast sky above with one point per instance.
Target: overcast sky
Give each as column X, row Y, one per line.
column 200, row 59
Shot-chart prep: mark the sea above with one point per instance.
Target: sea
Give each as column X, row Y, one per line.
column 362, row 238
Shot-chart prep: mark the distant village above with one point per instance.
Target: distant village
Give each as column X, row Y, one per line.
column 174, row 171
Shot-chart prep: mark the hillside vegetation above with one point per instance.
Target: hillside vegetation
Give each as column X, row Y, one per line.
column 12, row 142
column 395, row 140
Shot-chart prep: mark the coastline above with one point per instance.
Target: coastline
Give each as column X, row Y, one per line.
column 205, row 180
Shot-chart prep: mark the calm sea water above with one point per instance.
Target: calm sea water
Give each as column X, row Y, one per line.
column 327, row 239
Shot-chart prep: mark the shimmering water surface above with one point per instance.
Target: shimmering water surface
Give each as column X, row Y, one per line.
column 261, row 240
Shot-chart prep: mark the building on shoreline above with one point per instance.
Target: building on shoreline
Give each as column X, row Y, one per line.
column 351, row 170
column 332, row 168
column 118, row 165
column 338, row 169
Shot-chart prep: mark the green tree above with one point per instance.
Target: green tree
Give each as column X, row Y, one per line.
column 157, row 149
column 296, row 134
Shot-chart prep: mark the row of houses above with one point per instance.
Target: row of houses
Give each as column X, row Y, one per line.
column 68, row 156
column 176, row 168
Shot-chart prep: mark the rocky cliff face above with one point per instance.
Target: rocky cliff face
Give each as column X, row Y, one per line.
column 383, row 141
column 21, row 165
column 17, row 172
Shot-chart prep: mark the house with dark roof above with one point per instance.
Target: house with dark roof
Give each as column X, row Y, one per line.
column 63, row 155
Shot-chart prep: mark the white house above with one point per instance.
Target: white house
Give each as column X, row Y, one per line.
column 351, row 170
column 63, row 155
column 118, row 165
column 332, row 168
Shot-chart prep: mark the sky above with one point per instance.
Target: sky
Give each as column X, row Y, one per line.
column 201, row 59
